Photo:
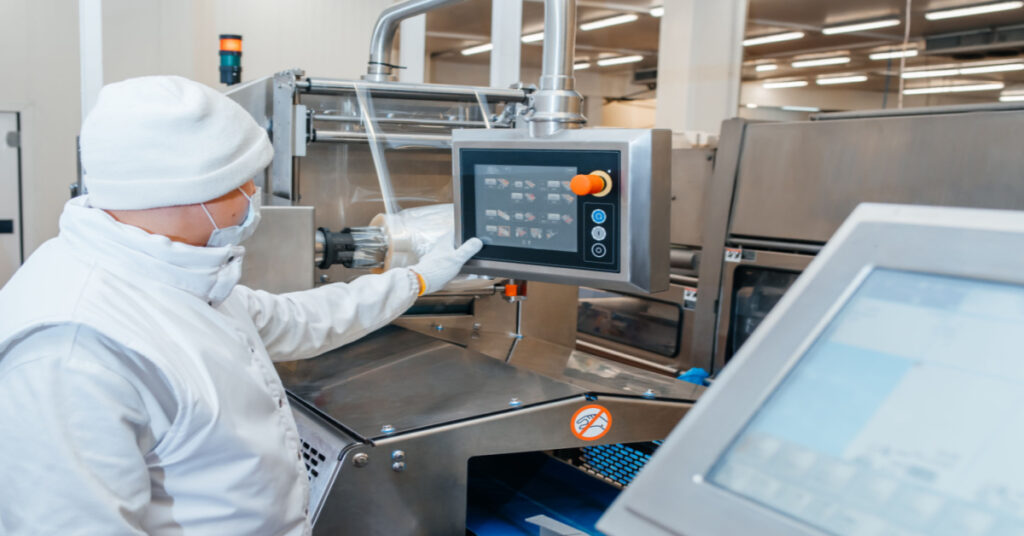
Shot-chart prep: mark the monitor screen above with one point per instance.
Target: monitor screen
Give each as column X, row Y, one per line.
column 526, row 206
column 905, row 416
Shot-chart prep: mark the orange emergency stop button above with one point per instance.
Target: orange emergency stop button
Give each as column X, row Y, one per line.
column 597, row 184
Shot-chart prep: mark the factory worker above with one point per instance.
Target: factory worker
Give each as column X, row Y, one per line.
column 137, row 391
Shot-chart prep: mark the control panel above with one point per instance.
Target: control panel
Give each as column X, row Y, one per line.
column 580, row 207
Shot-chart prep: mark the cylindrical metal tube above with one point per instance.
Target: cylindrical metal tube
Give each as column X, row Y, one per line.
column 341, row 136
column 683, row 259
column 380, row 67
column 404, row 90
column 401, row 121
column 557, row 104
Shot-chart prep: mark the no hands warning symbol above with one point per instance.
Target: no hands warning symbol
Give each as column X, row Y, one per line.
column 591, row 422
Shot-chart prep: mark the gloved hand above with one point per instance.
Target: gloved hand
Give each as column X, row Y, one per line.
column 443, row 262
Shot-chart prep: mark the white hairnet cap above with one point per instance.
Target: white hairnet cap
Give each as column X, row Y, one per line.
column 162, row 141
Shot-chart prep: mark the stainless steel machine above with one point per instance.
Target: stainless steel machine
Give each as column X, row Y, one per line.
column 397, row 426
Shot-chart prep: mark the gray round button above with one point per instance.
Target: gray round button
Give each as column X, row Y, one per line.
column 598, row 233
column 598, row 250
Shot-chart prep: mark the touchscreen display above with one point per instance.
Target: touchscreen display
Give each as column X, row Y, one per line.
column 526, row 206
column 903, row 417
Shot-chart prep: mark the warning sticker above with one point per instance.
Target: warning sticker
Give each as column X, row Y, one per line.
column 733, row 254
column 591, row 422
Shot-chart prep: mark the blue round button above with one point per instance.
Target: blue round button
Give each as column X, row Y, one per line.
column 598, row 216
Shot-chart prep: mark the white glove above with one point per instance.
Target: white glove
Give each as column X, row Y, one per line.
column 442, row 263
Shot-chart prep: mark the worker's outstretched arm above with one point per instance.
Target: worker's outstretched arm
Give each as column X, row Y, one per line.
column 75, row 433
column 304, row 324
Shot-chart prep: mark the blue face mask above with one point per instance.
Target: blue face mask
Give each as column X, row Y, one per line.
column 236, row 234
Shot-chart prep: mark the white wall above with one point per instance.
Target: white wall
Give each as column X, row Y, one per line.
column 39, row 62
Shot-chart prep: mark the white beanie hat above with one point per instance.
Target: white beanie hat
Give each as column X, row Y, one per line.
column 161, row 141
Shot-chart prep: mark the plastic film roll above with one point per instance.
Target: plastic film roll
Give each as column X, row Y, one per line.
column 412, row 232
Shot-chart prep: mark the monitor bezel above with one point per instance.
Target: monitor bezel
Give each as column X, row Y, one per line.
column 671, row 495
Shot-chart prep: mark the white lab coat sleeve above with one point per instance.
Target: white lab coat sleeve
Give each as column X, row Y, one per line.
column 74, row 438
column 304, row 324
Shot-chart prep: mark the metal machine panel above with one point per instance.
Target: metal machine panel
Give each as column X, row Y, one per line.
column 691, row 172
column 799, row 181
column 681, row 490
column 635, row 213
column 277, row 256
column 406, row 381
column 10, row 197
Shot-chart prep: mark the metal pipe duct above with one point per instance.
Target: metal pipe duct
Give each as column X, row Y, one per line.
column 557, row 104
column 379, row 68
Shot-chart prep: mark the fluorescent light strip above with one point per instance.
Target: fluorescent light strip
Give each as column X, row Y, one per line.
column 774, row 38
column 954, row 89
column 853, row 79
column 981, row 69
column 766, row 67
column 894, row 55
column 532, row 38
column 784, row 85
column 980, row 9
column 619, row 61
column 581, row 66
column 751, row 105
column 801, row 109
column 861, row 26
column 657, row 11
column 1011, row 98
column 611, row 21
column 822, row 61
column 486, row 47
column 998, row 68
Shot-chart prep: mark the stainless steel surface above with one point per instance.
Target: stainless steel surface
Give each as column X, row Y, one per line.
column 924, row 110
column 379, row 67
column 799, row 181
column 557, row 105
column 644, row 160
column 691, row 175
column 671, row 490
column 282, row 167
column 321, row 450
column 429, row 496
column 770, row 260
column 279, row 255
column 685, row 259
column 405, row 140
column 718, row 199
column 406, row 90
column 397, row 120
column 411, row 381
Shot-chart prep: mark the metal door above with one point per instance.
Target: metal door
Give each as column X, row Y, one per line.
column 10, row 197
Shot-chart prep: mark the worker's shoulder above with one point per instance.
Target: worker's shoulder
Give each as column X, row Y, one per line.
column 77, row 351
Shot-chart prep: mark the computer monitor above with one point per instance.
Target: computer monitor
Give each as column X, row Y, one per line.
column 885, row 395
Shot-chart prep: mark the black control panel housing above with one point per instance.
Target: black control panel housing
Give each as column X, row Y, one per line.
column 594, row 220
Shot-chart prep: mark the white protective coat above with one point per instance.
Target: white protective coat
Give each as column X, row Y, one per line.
column 137, row 393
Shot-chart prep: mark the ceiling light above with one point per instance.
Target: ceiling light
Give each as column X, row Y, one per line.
column 751, row 105
column 486, row 47
column 774, row 38
column 894, row 54
column 611, row 21
column 860, row 26
column 801, row 109
column 580, row 66
column 533, row 38
column 837, row 60
column 999, row 68
column 619, row 60
column 954, row 89
column 979, row 9
column 1011, row 98
column 766, row 67
column 980, row 69
column 852, row 79
column 931, row 74
column 783, row 85
column 657, row 11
